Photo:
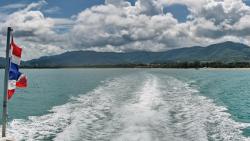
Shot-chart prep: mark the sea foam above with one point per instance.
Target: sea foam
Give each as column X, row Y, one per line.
column 143, row 106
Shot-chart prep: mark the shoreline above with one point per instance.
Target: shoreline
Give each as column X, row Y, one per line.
column 134, row 68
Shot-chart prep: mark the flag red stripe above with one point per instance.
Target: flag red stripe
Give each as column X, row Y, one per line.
column 10, row 93
column 16, row 50
column 22, row 82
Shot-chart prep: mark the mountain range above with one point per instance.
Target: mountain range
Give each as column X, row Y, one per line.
column 225, row 52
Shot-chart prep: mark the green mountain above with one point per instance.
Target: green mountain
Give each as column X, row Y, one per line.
column 224, row 52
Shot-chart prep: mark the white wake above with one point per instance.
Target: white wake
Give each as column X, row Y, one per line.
column 137, row 107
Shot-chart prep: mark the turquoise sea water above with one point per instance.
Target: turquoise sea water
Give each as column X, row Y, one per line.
column 132, row 105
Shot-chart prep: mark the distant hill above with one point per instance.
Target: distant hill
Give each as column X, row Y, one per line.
column 224, row 52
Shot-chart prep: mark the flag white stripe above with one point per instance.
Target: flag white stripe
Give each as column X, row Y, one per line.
column 11, row 84
column 15, row 59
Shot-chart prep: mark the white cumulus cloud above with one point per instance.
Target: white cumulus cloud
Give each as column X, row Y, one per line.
column 119, row 26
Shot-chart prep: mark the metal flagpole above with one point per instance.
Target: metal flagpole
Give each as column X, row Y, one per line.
column 6, row 79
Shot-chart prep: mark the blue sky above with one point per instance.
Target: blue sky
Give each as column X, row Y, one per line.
column 64, row 8
column 180, row 12
column 48, row 27
column 68, row 8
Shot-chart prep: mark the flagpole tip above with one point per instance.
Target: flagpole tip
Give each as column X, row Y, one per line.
column 10, row 28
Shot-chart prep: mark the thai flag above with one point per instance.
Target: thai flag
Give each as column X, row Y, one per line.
column 16, row 78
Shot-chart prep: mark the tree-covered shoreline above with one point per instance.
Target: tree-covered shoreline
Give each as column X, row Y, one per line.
column 195, row 64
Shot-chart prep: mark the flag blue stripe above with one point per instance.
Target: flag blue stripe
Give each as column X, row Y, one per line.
column 14, row 73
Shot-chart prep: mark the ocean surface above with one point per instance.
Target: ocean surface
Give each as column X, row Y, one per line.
column 132, row 105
